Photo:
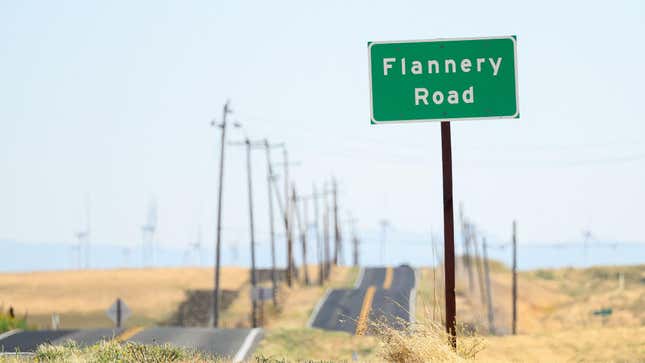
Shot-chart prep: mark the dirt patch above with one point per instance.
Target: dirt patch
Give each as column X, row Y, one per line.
column 196, row 309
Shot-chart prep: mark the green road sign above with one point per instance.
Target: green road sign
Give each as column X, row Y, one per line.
column 443, row 80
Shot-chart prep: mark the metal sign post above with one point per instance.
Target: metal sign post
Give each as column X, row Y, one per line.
column 449, row 234
column 442, row 80
column 118, row 312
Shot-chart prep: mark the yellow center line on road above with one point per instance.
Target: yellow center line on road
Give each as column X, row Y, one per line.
column 128, row 333
column 389, row 273
column 361, row 325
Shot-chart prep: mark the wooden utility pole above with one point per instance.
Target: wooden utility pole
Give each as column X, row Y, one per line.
column 218, row 241
column 254, row 307
column 469, row 258
column 285, row 219
column 326, row 248
column 489, row 295
column 274, row 279
column 287, row 214
column 337, row 246
column 466, row 258
column 305, row 232
column 480, row 269
column 355, row 241
column 322, row 239
column 302, row 226
column 449, row 234
column 319, row 241
column 514, row 329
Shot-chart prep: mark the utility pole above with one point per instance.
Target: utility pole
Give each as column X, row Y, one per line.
column 305, row 222
column 480, row 272
column 326, row 235
column 489, row 297
column 287, row 214
column 254, row 312
column 274, row 282
column 218, row 242
column 319, row 249
column 286, row 224
column 337, row 242
column 302, row 226
column 469, row 258
column 514, row 278
column 466, row 258
column 352, row 222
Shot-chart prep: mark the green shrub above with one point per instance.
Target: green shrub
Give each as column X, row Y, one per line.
column 545, row 274
column 8, row 323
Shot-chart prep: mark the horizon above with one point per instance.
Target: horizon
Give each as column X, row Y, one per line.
column 101, row 121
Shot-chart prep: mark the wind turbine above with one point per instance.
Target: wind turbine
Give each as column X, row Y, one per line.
column 148, row 235
column 586, row 234
column 197, row 246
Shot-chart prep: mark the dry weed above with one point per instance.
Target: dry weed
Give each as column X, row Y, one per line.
column 424, row 341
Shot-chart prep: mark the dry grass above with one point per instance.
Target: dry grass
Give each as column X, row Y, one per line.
column 112, row 351
column 81, row 297
column 555, row 313
column 424, row 341
column 556, row 299
column 571, row 345
column 555, row 307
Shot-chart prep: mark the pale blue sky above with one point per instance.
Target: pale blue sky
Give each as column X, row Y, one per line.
column 114, row 99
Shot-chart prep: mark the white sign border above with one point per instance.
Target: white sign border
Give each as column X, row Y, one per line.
column 517, row 94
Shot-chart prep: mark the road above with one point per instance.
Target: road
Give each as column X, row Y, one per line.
column 380, row 293
column 237, row 344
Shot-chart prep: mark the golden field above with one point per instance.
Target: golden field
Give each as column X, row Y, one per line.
column 81, row 297
column 555, row 308
column 555, row 313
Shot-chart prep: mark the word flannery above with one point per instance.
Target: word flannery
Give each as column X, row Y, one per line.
column 434, row 66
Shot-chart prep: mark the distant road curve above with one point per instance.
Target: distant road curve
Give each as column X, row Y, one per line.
column 381, row 293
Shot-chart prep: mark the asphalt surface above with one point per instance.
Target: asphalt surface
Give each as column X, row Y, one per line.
column 237, row 344
column 390, row 302
column 222, row 342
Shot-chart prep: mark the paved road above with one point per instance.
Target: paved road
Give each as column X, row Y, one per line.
column 237, row 344
column 28, row 341
column 380, row 293
column 234, row 343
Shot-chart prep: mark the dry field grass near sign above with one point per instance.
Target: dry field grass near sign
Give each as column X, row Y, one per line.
column 555, row 313
column 81, row 297
column 555, row 323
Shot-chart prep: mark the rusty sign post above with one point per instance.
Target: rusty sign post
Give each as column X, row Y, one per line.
column 444, row 80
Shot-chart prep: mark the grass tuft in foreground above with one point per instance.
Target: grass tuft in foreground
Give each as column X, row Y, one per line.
column 112, row 351
column 424, row 341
